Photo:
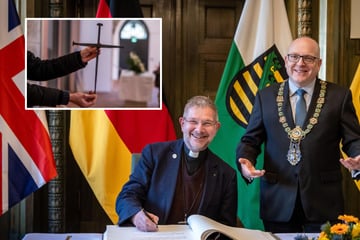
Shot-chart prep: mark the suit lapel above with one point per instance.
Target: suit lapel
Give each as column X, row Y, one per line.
column 175, row 153
column 314, row 98
column 287, row 106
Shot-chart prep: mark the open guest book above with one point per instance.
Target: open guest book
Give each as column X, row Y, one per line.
column 198, row 228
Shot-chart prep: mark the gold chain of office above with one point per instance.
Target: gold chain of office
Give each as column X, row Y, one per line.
column 297, row 133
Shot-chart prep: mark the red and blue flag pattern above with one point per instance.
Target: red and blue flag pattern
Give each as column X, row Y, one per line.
column 26, row 157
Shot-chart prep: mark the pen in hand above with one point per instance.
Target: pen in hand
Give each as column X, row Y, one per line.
column 148, row 216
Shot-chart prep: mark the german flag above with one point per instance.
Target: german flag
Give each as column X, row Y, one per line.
column 103, row 141
column 119, row 8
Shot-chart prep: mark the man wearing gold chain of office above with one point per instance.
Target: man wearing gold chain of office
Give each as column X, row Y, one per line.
column 302, row 122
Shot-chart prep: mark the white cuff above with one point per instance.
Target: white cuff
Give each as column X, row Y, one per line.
column 355, row 174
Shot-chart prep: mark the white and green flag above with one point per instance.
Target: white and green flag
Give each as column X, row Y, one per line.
column 256, row 60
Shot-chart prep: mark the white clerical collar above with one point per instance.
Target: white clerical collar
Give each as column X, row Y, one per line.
column 193, row 154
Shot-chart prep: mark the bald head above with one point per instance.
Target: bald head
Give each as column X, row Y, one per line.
column 305, row 43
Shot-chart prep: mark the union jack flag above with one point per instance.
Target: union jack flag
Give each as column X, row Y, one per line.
column 26, row 157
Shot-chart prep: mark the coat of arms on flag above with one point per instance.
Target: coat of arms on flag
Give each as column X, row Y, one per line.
column 244, row 86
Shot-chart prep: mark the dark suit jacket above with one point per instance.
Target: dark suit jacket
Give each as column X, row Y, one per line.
column 317, row 177
column 42, row 70
column 153, row 182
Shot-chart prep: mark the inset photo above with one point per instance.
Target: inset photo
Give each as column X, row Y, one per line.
column 93, row 63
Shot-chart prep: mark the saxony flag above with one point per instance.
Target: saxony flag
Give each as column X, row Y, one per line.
column 255, row 60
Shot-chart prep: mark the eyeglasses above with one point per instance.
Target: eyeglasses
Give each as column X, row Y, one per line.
column 206, row 123
column 306, row 58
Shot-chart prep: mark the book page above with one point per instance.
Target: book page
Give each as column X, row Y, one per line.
column 203, row 227
column 165, row 232
column 57, row 236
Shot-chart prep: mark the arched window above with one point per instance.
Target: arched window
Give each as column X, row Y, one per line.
column 134, row 36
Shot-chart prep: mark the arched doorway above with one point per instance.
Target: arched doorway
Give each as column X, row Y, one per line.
column 134, row 37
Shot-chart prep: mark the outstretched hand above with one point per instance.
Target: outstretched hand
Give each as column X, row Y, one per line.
column 83, row 99
column 248, row 169
column 351, row 163
column 89, row 53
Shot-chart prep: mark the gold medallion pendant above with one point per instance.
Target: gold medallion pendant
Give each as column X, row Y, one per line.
column 297, row 134
column 294, row 153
